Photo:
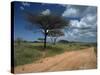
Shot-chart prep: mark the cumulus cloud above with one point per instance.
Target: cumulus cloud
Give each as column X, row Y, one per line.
column 46, row 12
column 70, row 12
column 22, row 8
column 86, row 27
column 90, row 19
column 25, row 4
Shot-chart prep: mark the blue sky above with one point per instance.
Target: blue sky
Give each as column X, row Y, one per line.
column 83, row 21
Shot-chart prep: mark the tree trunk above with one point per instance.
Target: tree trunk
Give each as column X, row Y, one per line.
column 54, row 41
column 51, row 39
column 45, row 39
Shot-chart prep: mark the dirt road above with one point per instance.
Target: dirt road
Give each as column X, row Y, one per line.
column 73, row 60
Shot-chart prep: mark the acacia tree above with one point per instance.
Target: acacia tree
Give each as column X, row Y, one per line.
column 54, row 35
column 46, row 22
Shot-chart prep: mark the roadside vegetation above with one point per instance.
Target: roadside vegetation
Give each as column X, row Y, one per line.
column 29, row 52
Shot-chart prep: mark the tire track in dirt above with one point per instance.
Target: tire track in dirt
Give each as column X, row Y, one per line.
column 73, row 60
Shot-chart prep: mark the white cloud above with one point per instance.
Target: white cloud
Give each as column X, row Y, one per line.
column 77, row 31
column 78, row 11
column 46, row 12
column 88, row 20
column 22, row 8
column 70, row 12
column 90, row 10
column 90, row 17
column 90, row 34
column 75, row 23
column 25, row 4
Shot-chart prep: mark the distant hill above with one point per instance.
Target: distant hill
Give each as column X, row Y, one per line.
column 63, row 41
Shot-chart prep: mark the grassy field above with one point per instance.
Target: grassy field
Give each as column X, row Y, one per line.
column 30, row 52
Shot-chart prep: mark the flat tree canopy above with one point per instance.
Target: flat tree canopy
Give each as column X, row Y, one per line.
column 47, row 22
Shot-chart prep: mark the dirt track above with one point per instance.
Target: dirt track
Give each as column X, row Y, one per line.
column 73, row 60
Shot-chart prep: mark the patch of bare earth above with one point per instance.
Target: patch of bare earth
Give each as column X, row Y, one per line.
column 73, row 60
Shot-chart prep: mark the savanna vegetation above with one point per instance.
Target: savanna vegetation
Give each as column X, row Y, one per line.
column 28, row 52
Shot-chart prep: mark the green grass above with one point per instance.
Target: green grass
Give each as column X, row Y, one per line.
column 30, row 52
column 25, row 55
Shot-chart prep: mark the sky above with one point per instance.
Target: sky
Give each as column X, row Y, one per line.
column 83, row 21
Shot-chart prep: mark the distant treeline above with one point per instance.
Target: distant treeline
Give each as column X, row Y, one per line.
column 60, row 41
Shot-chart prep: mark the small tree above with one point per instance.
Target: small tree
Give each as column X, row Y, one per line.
column 54, row 35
